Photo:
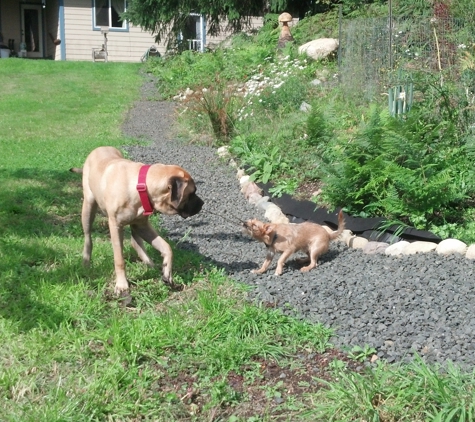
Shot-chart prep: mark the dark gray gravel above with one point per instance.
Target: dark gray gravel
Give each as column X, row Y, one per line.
column 398, row 305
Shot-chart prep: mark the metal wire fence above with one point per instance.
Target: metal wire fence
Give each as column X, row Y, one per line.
column 380, row 52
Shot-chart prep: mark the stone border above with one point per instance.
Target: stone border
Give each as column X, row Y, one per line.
column 274, row 214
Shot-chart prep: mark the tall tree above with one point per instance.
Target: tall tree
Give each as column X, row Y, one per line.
column 167, row 18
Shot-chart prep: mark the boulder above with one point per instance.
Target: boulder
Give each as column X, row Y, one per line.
column 373, row 248
column 263, row 203
column 357, row 242
column 254, row 198
column 470, row 254
column 320, row 48
column 240, row 174
column 250, row 188
column 275, row 215
column 419, row 246
column 281, row 219
column 396, row 248
column 451, row 246
column 346, row 236
column 244, row 180
column 223, row 151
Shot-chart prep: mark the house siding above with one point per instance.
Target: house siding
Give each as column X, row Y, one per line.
column 52, row 31
column 70, row 22
column 122, row 46
column 10, row 25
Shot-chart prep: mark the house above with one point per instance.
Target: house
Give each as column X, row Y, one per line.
column 75, row 29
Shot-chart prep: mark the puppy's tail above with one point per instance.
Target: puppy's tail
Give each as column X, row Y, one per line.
column 76, row 170
column 341, row 226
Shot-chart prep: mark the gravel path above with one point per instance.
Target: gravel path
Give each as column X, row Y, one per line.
column 398, row 305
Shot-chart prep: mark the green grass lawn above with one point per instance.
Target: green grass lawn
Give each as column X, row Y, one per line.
column 70, row 352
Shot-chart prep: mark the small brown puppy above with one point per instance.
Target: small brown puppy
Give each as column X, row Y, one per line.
column 110, row 187
column 306, row 237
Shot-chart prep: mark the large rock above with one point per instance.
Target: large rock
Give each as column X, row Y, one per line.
column 470, row 254
column 396, row 248
column 419, row 246
column 373, row 248
column 320, row 48
column 275, row 215
column 250, row 188
column 451, row 246
column 357, row 242
column 346, row 236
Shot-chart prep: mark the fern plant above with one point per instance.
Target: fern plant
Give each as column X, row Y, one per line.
column 415, row 170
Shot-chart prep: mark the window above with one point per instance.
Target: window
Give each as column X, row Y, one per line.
column 195, row 32
column 107, row 13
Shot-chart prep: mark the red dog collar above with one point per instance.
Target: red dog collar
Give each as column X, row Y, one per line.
column 142, row 189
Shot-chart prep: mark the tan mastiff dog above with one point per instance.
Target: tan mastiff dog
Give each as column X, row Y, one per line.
column 111, row 185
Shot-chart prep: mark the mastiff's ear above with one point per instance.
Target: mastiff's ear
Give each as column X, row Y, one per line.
column 177, row 186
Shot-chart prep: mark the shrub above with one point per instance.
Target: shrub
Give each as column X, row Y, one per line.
column 415, row 169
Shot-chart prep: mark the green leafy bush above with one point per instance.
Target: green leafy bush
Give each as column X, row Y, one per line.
column 415, row 169
column 263, row 163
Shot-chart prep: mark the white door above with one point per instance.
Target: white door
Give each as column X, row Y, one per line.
column 32, row 29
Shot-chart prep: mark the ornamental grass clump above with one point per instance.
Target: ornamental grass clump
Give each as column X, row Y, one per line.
column 219, row 104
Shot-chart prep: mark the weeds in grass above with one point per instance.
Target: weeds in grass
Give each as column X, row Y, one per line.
column 361, row 353
column 399, row 393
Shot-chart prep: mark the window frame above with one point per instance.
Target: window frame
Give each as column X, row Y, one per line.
column 196, row 44
column 96, row 27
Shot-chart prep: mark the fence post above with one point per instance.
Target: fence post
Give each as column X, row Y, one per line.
column 390, row 35
column 340, row 18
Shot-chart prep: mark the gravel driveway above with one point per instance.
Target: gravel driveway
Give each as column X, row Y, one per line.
column 398, row 305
